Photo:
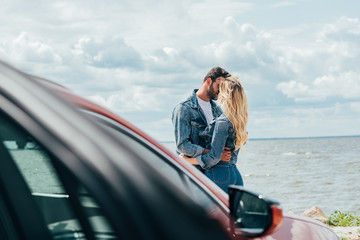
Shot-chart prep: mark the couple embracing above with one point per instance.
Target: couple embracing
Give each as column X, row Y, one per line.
column 209, row 135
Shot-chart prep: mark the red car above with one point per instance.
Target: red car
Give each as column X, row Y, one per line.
column 71, row 169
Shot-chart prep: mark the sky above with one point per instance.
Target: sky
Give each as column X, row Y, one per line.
column 298, row 60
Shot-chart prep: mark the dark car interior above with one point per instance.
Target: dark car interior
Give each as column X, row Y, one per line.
column 43, row 184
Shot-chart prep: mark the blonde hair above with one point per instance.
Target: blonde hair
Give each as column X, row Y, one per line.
column 233, row 98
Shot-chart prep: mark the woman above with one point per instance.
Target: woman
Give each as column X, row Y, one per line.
column 228, row 131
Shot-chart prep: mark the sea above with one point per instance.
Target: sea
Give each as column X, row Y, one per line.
column 303, row 172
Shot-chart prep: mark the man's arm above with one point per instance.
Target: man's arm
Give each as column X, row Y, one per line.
column 182, row 129
column 226, row 156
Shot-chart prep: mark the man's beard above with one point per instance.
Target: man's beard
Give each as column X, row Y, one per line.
column 211, row 92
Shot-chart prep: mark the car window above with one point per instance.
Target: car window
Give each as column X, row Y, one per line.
column 48, row 191
column 163, row 165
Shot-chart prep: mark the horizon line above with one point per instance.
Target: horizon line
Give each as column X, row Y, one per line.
column 275, row 138
column 280, row 138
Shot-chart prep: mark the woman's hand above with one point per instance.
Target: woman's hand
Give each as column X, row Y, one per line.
column 226, row 155
column 189, row 160
column 206, row 151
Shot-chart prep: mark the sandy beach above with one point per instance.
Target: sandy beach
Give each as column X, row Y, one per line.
column 351, row 233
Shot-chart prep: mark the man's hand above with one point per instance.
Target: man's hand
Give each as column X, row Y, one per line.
column 189, row 160
column 225, row 157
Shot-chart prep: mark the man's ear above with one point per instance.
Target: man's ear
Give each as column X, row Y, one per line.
column 208, row 81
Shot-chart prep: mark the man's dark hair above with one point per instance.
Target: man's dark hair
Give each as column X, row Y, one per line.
column 217, row 72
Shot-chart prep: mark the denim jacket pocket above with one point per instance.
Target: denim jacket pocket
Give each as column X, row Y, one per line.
column 220, row 174
column 196, row 129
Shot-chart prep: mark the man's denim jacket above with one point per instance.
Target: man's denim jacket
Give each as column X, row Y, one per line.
column 189, row 121
column 218, row 135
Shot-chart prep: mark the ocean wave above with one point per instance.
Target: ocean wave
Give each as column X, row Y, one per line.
column 289, row 154
column 296, row 153
column 257, row 175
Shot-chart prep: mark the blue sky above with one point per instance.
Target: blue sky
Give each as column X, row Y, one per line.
column 298, row 60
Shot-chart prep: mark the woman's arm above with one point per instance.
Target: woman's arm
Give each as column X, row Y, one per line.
column 220, row 134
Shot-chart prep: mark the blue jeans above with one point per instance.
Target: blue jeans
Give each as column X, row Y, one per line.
column 224, row 174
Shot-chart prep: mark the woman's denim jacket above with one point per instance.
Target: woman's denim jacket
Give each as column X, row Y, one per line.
column 218, row 135
column 189, row 121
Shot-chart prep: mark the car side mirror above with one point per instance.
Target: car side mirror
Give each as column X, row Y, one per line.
column 253, row 215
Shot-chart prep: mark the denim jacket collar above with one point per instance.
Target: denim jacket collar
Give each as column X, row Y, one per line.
column 195, row 104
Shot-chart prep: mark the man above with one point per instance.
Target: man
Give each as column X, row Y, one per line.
column 192, row 115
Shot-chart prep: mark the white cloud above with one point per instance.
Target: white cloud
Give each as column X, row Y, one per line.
column 108, row 53
column 344, row 29
column 27, row 49
column 345, row 85
column 327, row 68
column 133, row 99
column 296, row 90
column 148, row 55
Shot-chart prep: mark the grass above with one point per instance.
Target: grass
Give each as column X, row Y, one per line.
column 343, row 219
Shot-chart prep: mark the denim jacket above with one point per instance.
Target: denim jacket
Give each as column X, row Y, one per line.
column 218, row 135
column 189, row 120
